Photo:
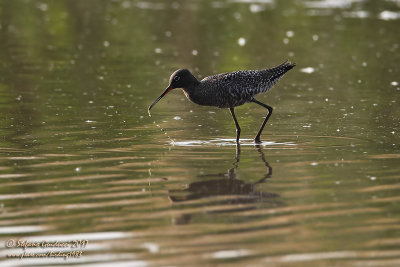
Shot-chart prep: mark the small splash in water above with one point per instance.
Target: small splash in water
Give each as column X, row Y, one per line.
column 229, row 142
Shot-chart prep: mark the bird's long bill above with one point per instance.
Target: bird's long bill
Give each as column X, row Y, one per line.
column 169, row 88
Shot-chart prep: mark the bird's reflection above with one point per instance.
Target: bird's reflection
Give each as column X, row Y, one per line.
column 226, row 184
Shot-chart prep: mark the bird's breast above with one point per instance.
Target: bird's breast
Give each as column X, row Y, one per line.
column 199, row 97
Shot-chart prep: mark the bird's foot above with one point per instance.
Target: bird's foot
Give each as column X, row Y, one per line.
column 257, row 140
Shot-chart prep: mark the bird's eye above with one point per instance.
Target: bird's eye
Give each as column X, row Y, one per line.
column 176, row 78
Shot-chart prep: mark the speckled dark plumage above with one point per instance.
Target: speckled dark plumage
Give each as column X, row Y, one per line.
column 228, row 90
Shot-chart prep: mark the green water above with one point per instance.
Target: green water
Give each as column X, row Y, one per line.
column 82, row 160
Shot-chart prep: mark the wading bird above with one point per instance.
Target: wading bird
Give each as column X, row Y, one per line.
column 228, row 90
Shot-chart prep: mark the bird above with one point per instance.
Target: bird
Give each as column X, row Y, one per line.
column 228, row 90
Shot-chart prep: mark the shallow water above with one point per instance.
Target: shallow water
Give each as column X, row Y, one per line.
column 82, row 160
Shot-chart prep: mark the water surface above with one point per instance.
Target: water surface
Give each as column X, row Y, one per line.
column 81, row 159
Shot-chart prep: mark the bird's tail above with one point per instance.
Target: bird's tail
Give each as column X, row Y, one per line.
column 274, row 74
column 280, row 70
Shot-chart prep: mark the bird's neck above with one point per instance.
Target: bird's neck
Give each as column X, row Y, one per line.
column 191, row 91
column 192, row 85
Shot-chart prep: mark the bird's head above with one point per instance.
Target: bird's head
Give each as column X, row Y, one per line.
column 181, row 78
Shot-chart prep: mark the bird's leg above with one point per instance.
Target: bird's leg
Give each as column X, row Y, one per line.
column 232, row 110
column 257, row 139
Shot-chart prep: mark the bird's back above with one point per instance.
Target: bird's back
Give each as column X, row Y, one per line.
column 236, row 88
